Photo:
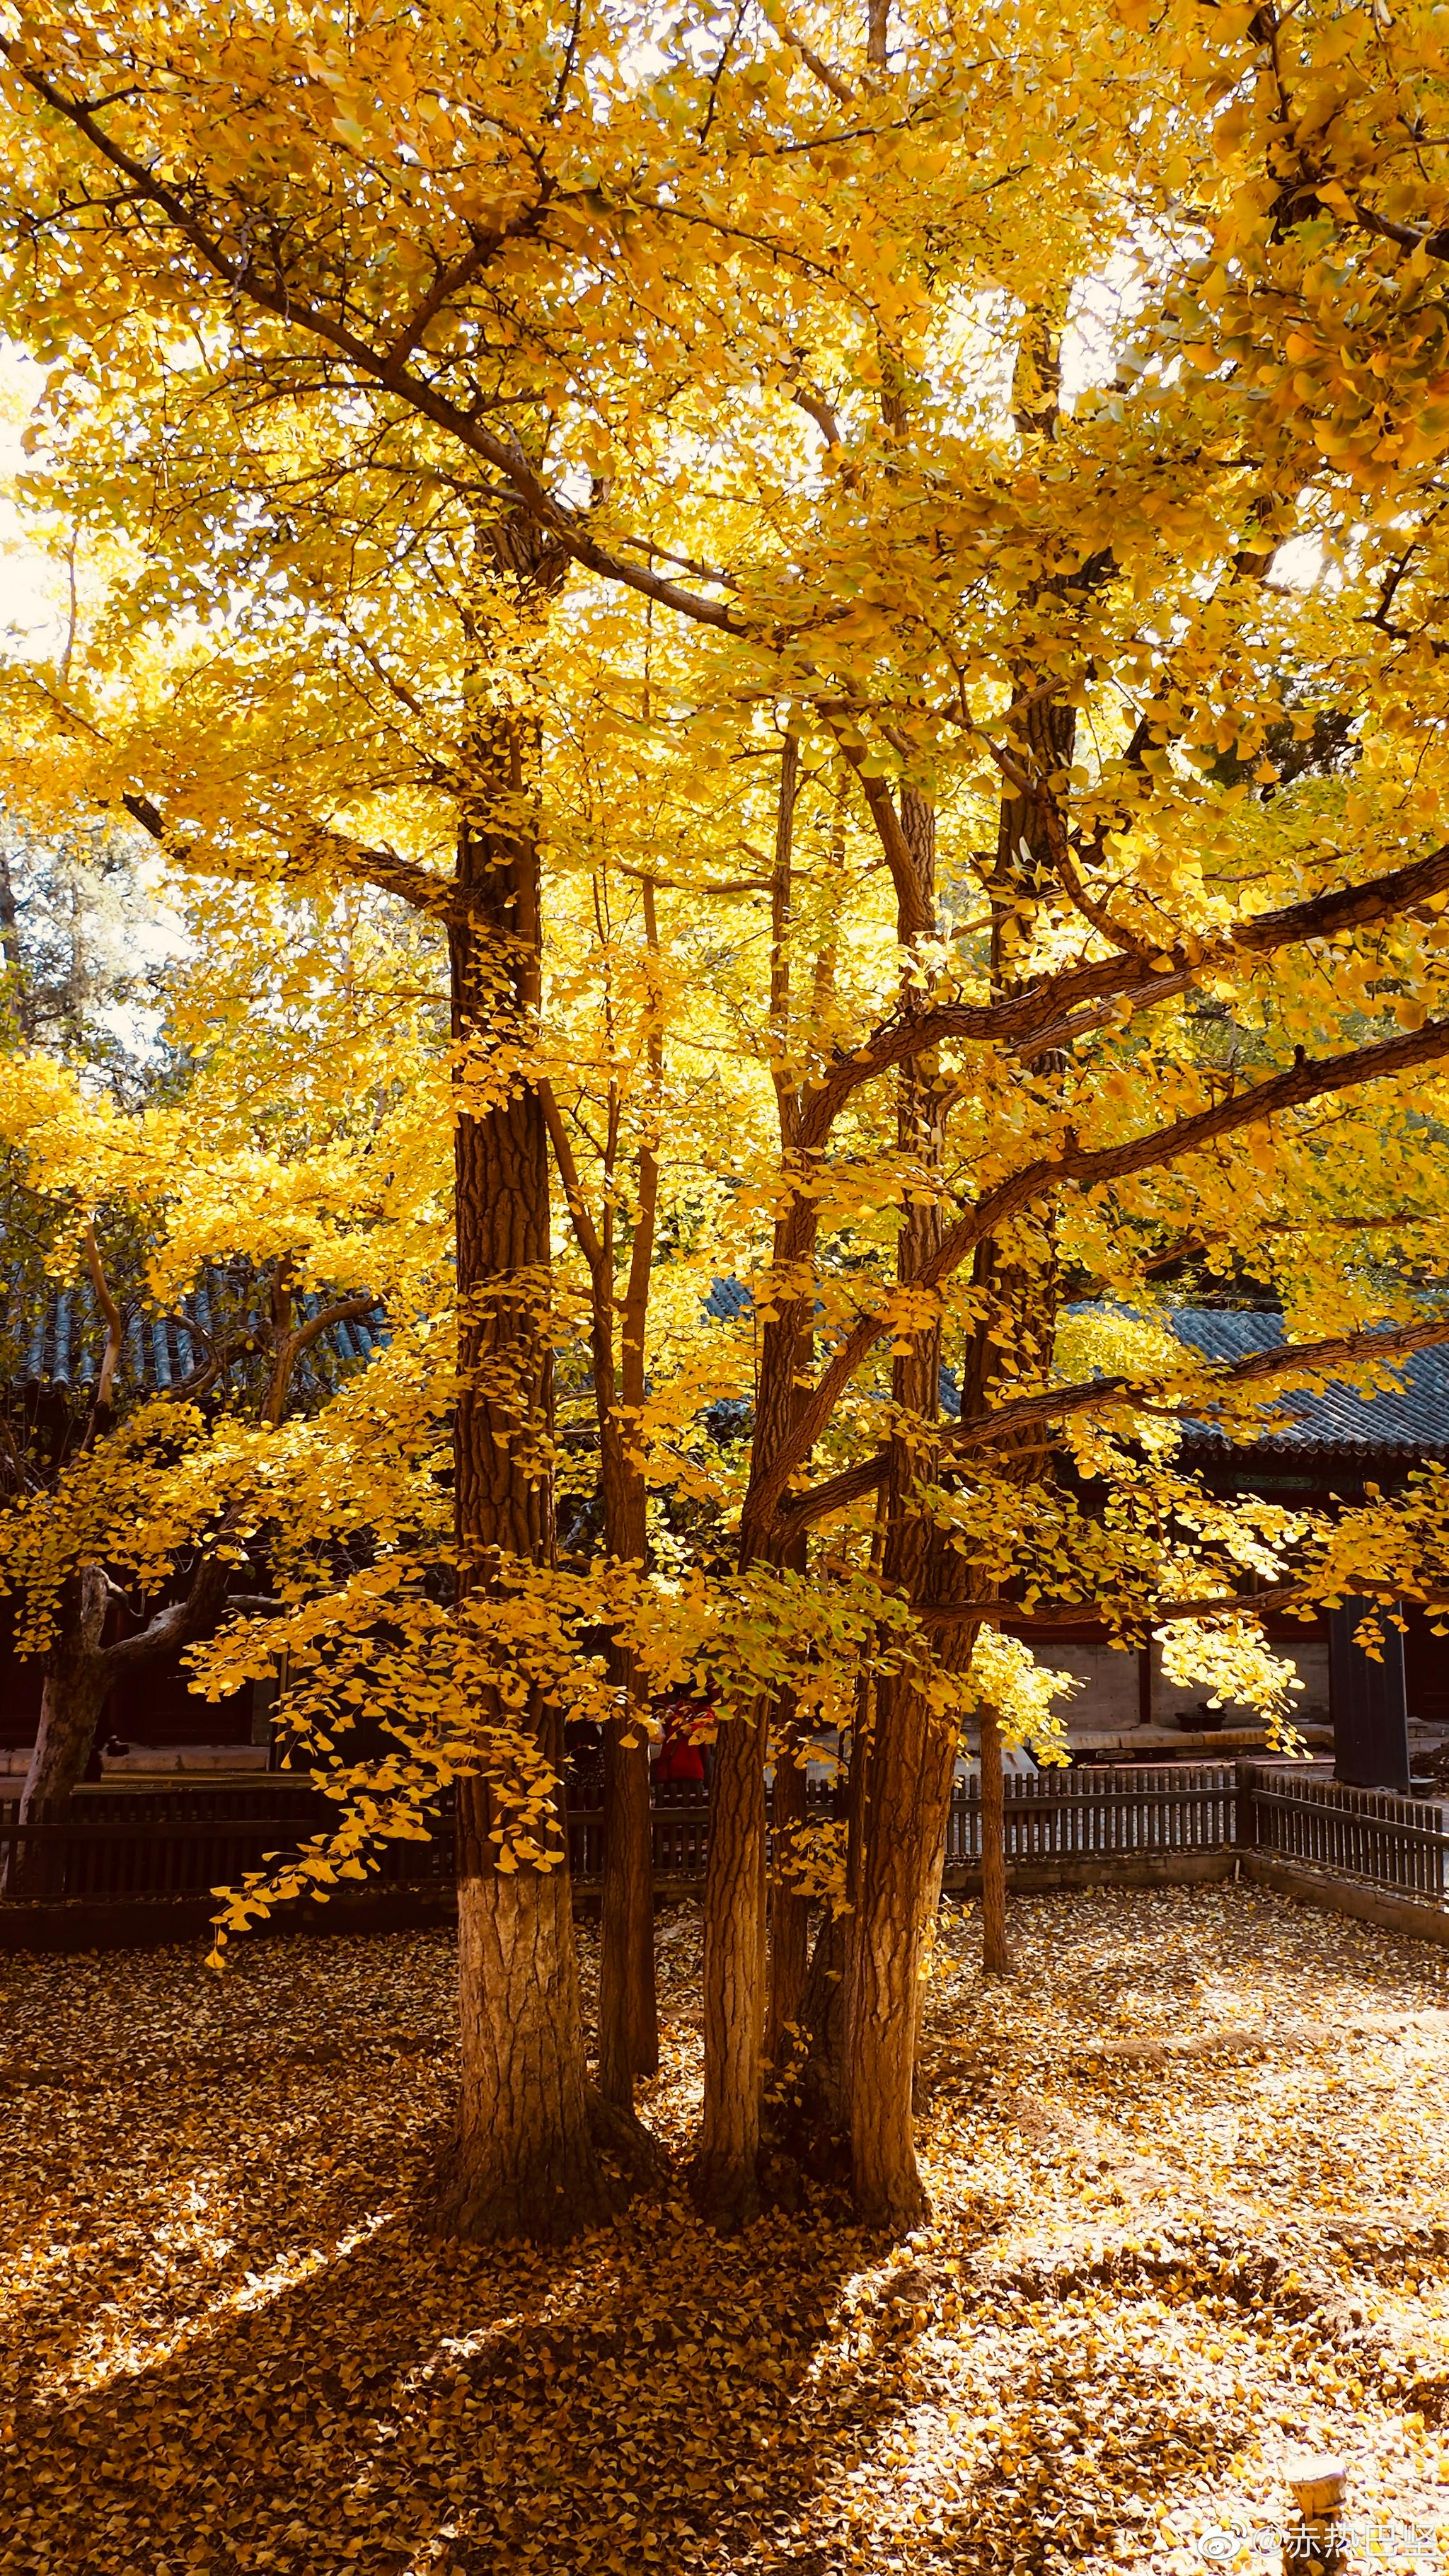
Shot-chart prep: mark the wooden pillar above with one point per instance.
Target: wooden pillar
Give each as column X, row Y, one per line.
column 995, row 1953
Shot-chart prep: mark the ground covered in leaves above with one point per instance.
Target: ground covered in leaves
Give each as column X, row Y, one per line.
column 1190, row 2170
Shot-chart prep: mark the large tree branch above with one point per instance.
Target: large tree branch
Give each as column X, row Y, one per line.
column 834, row 1494
column 180, row 1624
column 1323, row 916
column 839, row 88
column 1042, row 1015
column 589, row 1240
column 1431, row 239
column 1287, row 1360
column 115, row 1327
column 1139, row 1618
column 1101, row 1394
column 387, row 369
column 320, row 846
column 914, row 919
column 1087, row 1166
column 291, row 1346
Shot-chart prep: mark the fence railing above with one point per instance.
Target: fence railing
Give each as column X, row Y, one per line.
column 184, row 1841
column 105, row 1843
column 1072, row 1815
column 1400, row 1843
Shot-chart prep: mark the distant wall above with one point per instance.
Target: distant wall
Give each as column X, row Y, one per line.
column 1109, row 1700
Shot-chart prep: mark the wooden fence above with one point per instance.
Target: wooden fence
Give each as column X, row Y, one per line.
column 183, row 1841
column 1395, row 1842
column 1076, row 1815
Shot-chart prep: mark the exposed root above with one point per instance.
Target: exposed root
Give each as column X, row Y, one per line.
column 625, row 2146
column 724, row 2196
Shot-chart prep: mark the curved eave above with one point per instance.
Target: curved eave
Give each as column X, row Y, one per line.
column 1312, row 1453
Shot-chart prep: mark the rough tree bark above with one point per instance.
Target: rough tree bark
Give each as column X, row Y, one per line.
column 78, row 1678
column 906, row 1810
column 1017, row 1297
column 628, row 2002
column 628, row 2006
column 524, row 2161
column 816, row 2116
column 724, row 2176
column 789, row 1911
column 995, row 1956
column 81, row 1673
column 903, row 1801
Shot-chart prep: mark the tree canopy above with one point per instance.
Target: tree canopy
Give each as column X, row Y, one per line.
column 822, row 639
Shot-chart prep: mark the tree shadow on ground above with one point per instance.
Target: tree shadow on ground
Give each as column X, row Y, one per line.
column 651, row 2395
column 240, row 2358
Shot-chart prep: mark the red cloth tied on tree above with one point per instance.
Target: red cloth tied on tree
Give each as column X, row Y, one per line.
column 680, row 1757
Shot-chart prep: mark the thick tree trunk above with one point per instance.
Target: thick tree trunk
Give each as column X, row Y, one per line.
column 995, row 1956
column 628, row 2011
column 912, row 1767
column 77, row 1679
column 724, row 2177
column 901, row 1812
column 821, row 2112
column 789, row 1911
column 525, row 2159
column 725, row 2174
column 789, row 1951
column 824, row 2113
column 524, row 2163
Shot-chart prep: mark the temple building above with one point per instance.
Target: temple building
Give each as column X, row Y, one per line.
column 1320, row 1451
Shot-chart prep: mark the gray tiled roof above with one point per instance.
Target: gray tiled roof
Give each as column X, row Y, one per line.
column 1411, row 1420
column 57, row 1339
column 728, row 1299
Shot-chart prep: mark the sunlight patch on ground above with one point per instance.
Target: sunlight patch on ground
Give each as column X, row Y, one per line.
column 1191, row 2181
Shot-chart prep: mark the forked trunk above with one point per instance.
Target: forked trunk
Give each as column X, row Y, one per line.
column 77, row 1680
column 82, row 1672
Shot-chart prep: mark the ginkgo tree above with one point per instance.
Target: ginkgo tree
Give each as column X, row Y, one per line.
column 294, row 1207
column 1039, row 424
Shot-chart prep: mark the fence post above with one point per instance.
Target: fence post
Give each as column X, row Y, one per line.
column 1244, row 1817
